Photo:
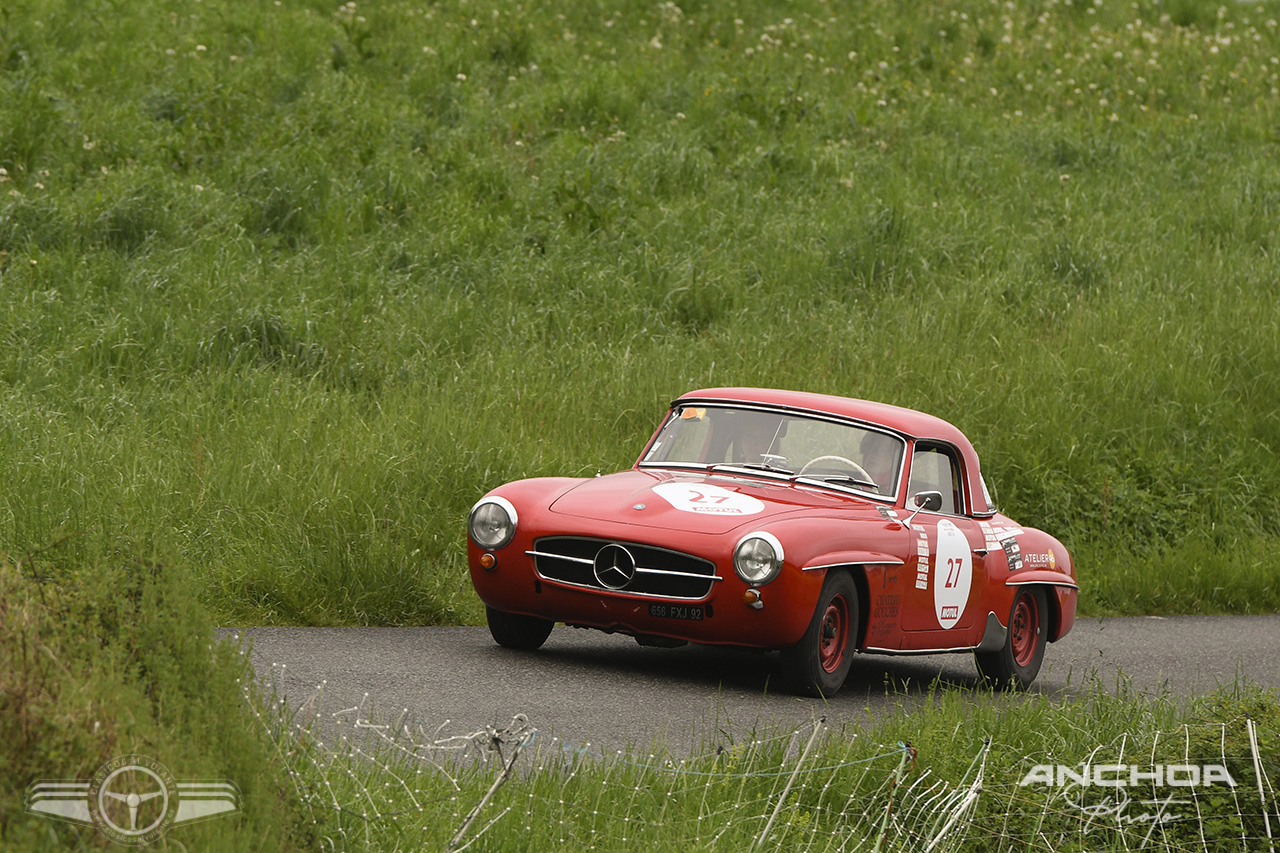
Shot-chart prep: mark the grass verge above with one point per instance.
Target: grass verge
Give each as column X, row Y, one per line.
column 120, row 659
column 948, row 772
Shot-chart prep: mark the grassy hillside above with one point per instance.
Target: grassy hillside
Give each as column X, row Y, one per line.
column 285, row 287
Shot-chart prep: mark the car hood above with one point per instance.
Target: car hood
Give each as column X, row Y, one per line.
column 692, row 502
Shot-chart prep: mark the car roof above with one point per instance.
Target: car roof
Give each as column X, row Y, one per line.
column 909, row 422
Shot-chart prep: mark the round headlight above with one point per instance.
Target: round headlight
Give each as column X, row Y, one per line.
column 492, row 523
column 758, row 558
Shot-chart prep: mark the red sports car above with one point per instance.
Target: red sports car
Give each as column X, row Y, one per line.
column 817, row 525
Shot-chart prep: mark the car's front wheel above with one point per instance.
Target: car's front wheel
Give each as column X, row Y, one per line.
column 818, row 664
column 517, row 631
column 1017, row 663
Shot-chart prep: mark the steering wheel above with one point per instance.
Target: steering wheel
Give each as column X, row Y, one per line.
column 857, row 469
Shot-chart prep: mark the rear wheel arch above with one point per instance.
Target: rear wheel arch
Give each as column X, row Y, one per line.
column 1055, row 612
column 1053, row 607
column 1017, row 661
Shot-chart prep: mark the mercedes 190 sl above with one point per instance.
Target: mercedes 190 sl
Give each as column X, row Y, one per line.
column 815, row 525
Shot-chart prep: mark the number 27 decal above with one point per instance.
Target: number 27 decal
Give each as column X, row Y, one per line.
column 707, row 499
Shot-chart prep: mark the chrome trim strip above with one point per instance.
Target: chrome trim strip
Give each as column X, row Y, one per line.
column 1012, row 582
column 582, row 560
column 905, row 652
column 693, row 466
column 639, row 569
column 842, row 565
column 643, row 571
column 625, row 593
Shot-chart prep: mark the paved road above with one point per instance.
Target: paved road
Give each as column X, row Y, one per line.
column 588, row 687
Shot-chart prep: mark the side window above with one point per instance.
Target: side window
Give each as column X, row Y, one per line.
column 934, row 469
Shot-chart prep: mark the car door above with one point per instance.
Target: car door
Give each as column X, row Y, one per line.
column 946, row 569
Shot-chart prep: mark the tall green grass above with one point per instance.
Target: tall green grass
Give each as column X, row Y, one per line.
column 285, row 288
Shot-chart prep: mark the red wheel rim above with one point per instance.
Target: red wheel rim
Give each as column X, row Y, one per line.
column 833, row 634
column 1024, row 629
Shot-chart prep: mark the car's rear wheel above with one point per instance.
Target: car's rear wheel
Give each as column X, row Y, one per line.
column 818, row 664
column 1017, row 663
column 517, row 631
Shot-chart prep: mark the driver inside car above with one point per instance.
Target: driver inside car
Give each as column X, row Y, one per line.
column 757, row 440
column 880, row 455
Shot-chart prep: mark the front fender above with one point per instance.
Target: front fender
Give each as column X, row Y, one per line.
column 856, row 543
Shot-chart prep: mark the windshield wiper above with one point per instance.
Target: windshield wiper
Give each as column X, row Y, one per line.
column 766, row 466
column 754, row 466
column 841, row 479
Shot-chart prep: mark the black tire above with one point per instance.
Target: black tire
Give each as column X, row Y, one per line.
column 1017, row 663
column 516, row 631
column 818, row 664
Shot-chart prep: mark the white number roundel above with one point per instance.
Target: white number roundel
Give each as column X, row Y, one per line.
column 952, row 574
column 707, row 499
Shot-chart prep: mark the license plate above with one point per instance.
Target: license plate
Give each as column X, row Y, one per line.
column 676, row 611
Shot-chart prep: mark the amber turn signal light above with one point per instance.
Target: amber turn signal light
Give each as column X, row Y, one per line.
column 488, row 561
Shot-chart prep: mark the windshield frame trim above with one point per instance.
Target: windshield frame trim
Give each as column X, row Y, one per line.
column 795, row 479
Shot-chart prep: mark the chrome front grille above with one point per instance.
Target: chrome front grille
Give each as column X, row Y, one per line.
column 624, row 567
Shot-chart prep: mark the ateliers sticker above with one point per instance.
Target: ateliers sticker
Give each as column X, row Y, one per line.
column 706, row 499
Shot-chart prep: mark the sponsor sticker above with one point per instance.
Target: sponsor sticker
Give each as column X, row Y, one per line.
column 1013, row 553
column 922, row 560
column 1038, row 561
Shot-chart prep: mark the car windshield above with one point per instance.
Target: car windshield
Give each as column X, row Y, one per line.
column 835, row 452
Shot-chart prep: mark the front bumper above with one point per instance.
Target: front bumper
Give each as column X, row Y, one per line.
column 661, row 600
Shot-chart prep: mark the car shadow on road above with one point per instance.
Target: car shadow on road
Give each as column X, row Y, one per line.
column 740, row 670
